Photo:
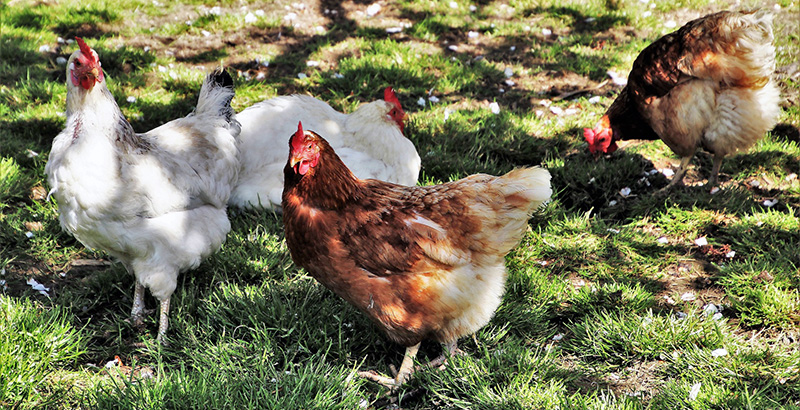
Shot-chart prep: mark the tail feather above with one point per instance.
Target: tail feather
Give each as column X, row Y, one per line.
column 215, row 99
column 526, row 188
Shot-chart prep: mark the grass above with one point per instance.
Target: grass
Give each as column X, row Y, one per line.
column 610, row 301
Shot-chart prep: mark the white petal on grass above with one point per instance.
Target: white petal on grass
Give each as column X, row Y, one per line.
column 612, row 230
column 216, row 10
column 452, row 47
column 453, row 5
column 668, row 172
column 512, row 48
column 205, row 33
column 35, row 285
column 730, row 254
column 594, row 100
column 393, row 30
column 647, row 13
column 558, row 337
column 433, row 99
column 302, row 76
column 717, row 316
column 31, row 153
column 612, row 202
column 373, row 9
column 250, row 18
column 447, row 113
column 663, row 240
column 61, row 60
column 547, row 31
column 421, row 101
column 495, row 108
column 290, row 16
column 625, row 192
column 556, row 110
column 714, row 190
column 710, row 309
column 131, row 99
column 509, row 72
column 687, row 297
column 670, row 24
column 29, row 235
column 694, row 391
column 473, row 34
column 312, row 63
column 111, row 363
column 616, row 78
column 719, row 352
column 701, row 241
column 338, row 75
column 769, row 203
column 44, row 49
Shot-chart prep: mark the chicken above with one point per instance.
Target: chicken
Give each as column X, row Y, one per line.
column 370, row 141
column 708, row 85
column 154, row 201
column 423, row 262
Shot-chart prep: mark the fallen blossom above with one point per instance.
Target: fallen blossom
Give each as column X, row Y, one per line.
column 260, row 76
column 44, row 49
column 594, row 100
column 4, row 284
column 612, row 202
column 669, row 300
column 547, row 31
column 373, row 9
column 558, row 337
column 680, row 315
column 312, row 63
column 495, row 108
column 612, row 230
column 61, row 60
column 433, row 99
column 216, row 10
column 719, row 352
column 625, row 192
column 205, row 33
column 791, row 177
column 717, row 316
column 512, row 48
column 447, row 113
column 508, row 72
column 290, row 16
column 769, row 203
column 617, row 79
column 755, row 183
column 663, row 240
column 687, row 297
column 473, row 8
column 701, row 241
column 473, row 34
column 670, row 24
column 453, row 5
column 29, row 234
column 31, row 153
column 730, row 254
column 668, row 172
column 647, row 13
column 539, row 113
column 393, row 30
column 589, row 20
column 302, row 76
column 131, row 99
column 452, row 47
column 250, row 18
column 710, row 309
column 421, row 101
column 556, row 110
column 694, row 391
column 38, row 287
column 714, row 190
column 510, row 83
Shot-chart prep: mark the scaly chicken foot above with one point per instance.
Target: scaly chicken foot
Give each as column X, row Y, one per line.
column 137, row 312
column 450, row 349
column 163, row 322
column 677, row 179
column 714, row 178
column 406, row 370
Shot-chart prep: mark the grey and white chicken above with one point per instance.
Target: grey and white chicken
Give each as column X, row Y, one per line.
column 369, row 140
column 154, row 201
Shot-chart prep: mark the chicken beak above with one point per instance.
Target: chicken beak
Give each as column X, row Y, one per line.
column 293, row 160
column 95, row 73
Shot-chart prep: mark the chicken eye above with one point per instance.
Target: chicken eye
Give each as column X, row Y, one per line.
column 77, row 63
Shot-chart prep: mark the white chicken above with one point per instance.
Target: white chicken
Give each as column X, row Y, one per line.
column 370, row 141
column 155, row 201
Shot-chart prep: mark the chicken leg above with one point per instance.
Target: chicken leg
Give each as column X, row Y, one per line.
column 677, row 179
column 163, row 321
column 406, row 369
column 714, row 178
column 137, row 312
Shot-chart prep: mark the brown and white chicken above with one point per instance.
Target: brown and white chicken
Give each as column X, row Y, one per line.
column 423, row 262
column 707, row 85
column 154, row 201
column 369, row 140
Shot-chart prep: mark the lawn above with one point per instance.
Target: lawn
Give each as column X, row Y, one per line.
column 616, row 299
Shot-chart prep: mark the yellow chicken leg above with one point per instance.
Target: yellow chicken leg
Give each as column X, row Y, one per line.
column 406, row 370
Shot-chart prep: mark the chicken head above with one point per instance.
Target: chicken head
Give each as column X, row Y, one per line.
column 304, row 151
column 396, row 114
column 84, row 66
column 600, row 138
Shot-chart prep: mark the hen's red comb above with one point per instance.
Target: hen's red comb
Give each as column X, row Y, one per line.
column 389, row 96
column 589, row 135
column 297, row 138
column 85, row 49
